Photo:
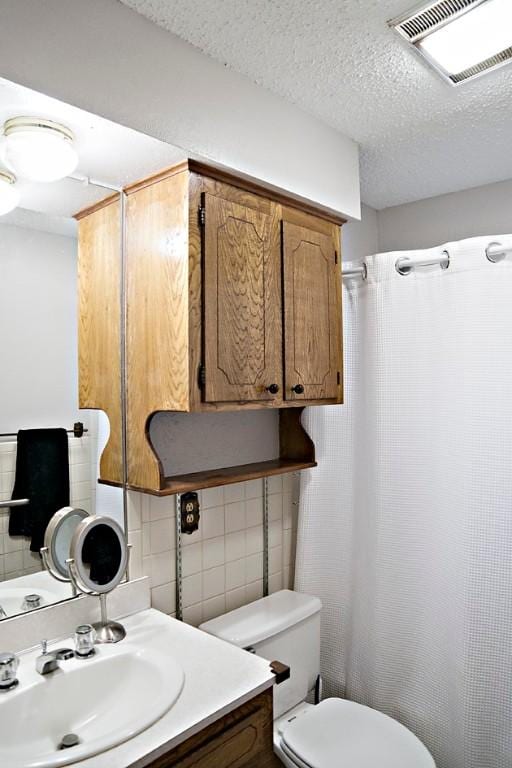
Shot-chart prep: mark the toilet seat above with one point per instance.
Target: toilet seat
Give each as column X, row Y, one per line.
column 339, row 733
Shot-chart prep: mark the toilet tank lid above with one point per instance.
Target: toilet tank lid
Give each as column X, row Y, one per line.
column 263, row 618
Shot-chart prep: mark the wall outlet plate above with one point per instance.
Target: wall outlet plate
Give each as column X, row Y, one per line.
column 190, row 515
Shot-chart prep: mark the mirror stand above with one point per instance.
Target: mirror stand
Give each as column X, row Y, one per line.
column 107, row 631
column 97, row 566
column 46, row 563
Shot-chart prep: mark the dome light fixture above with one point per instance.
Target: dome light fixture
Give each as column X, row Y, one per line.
column 9, row 195
column 38, row 149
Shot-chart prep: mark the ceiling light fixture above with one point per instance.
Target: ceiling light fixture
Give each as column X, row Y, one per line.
column 38, row 149
column 461, row 39
column 9, row 195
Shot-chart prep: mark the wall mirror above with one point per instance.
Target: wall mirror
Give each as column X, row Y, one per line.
column 51, row 444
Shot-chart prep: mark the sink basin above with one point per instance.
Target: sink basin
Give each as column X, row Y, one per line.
column 13, row 592
column 104, row 700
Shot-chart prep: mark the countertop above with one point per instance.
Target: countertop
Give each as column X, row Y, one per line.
column 218, row 678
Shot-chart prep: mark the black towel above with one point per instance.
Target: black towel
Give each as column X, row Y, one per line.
column 42, row 476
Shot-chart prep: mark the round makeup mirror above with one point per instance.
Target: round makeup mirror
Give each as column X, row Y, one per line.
column 100, row 555
column 97, row 564
column 57, row 541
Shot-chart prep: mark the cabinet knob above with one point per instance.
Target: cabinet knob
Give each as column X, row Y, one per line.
column 273, row 389
column 298, row 389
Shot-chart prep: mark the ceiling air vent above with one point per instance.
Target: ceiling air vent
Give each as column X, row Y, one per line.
column 430, row 17
column 461, row 39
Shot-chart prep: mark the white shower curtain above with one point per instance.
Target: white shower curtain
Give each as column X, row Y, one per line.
column 405, row 527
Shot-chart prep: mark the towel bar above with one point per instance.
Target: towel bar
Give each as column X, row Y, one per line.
column 77, row 431
column 14, row 503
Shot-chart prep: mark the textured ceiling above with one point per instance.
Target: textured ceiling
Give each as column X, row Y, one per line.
column 337, row 59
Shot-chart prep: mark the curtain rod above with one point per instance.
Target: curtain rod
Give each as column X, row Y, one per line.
column 495, row 252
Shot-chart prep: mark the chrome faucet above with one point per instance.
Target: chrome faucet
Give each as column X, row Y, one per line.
column 49, row 660
column 9, row 664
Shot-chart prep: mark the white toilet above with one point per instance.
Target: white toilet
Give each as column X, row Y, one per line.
column 334, row 733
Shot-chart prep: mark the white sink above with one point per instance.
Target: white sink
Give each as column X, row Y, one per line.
column 104, row 700
column 13, row 592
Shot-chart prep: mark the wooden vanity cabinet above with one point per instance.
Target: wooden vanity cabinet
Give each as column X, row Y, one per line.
column 241, row 739
column 233, row 302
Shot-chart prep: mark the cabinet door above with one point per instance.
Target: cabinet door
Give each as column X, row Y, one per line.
column 312, row 314
column 242, row 306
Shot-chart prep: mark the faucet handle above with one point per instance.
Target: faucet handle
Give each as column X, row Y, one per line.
column 44, row 646
column 9, row 664
column 85, row 638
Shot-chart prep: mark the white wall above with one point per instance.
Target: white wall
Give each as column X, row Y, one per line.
column 38, row 329
column 39, row 360
column 104, row 57
column 360, row 238
column 483, row 210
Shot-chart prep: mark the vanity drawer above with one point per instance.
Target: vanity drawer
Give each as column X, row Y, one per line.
column 241, row 739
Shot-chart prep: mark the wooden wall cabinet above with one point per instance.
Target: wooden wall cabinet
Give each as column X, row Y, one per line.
column 233, row 301
column 99, row 324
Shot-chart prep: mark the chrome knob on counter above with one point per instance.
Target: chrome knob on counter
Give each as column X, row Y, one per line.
column 85, row 637
column 31, row 602
column 9, row 664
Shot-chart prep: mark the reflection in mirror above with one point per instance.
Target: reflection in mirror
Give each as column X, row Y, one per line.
column 43, row 459
column 101, row 555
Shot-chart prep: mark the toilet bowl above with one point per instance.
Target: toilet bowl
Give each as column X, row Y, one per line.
column 335, row 733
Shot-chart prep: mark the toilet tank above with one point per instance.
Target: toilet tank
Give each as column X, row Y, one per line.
column 285, row 627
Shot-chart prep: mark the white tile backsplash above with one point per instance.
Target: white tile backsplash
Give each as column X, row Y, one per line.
column 212, row 497
column 192, row 559
column 222, row 562
column 213, row 552
column 162, row 536
column 235, row 574
column 234, row 492
column 214, row 582
column 235, row 545
column 235, row 516
column 212, row 522
column 163, row 598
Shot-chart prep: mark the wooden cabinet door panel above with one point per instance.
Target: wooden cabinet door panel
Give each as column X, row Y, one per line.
column 241, row 739
column 242, row 307
column 312, row 315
